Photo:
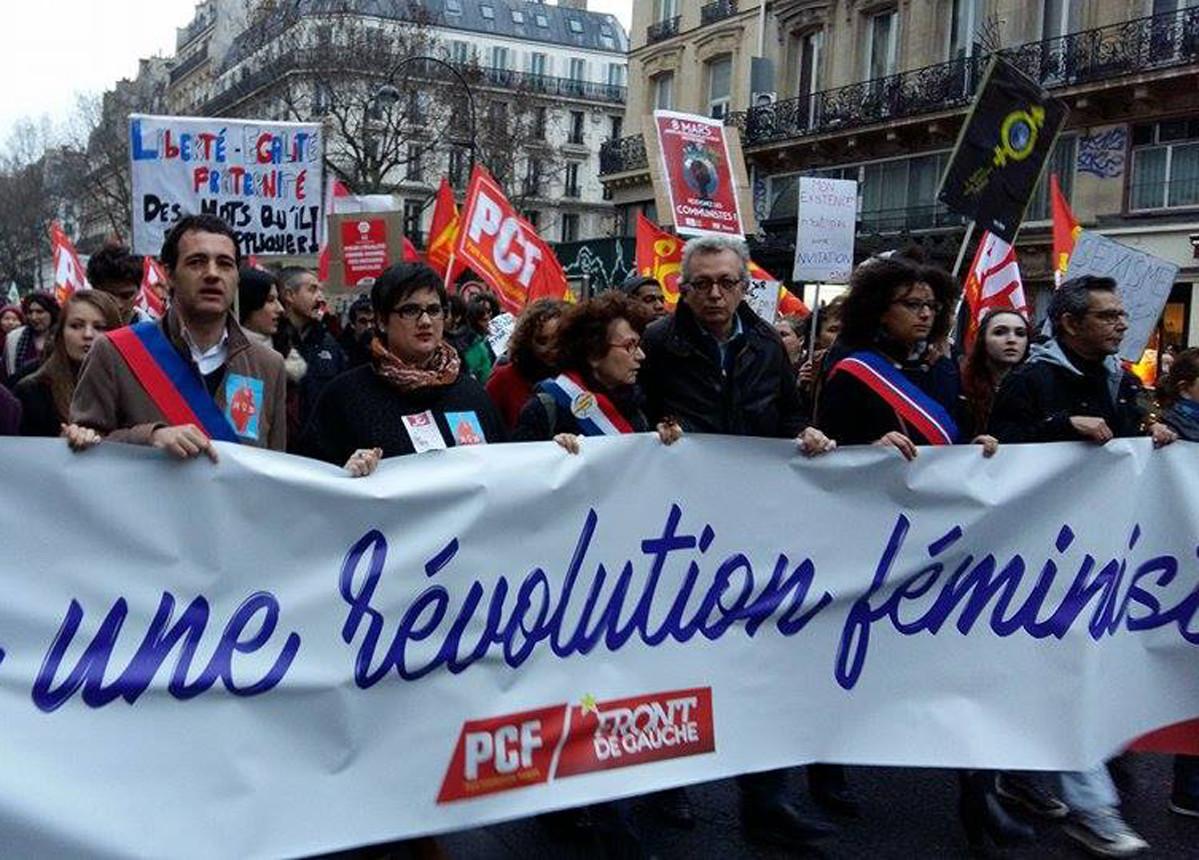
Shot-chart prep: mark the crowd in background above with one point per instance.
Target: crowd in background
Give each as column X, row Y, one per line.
column 411, row 367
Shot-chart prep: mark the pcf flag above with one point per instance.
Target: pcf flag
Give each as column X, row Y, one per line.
column 69, row 274
column 993, row 282
column 1001, row 150
column 504, row 249
column 1065, row 230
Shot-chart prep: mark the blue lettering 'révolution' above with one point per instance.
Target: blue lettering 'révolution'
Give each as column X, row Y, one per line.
column 162, row 637
column 578, row 614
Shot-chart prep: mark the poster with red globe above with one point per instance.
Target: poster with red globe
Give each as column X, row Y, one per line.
column 699, row 174
column 364, row 248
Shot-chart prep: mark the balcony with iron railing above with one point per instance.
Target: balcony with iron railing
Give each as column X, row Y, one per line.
column 664, row 29
column 185, row 34
column 618, row 155
column 1130, row 48
column 185, row 68
column 718, row 10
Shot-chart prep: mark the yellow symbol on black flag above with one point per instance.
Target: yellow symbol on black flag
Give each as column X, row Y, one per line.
column 1018, row 134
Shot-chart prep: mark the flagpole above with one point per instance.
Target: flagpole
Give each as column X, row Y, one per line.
column 449, row 271
column 815, row 329
column 957, row 265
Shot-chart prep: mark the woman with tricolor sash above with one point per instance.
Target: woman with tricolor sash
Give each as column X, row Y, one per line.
column 595, row 393
column 891, row 384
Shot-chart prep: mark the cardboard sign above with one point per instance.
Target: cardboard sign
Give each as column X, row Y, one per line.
column 263, row 178
column 1143, row 280
column 824, row 233
column 363, row 249
column 698, row 173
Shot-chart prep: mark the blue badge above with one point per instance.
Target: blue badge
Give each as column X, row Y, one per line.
column 465, row 428
column 243, row 404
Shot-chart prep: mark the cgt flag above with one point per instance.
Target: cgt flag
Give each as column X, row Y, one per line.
column 504, row 249
column 993, row 282
column 1001, row 150
column 69, row 274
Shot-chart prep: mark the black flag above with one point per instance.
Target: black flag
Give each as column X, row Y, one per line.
column 1001, row 150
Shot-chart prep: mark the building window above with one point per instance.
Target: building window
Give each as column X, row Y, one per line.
column 412, row 212
column 499, row 57
column 1165, row 165
column 488, row 12
column 965, row 19
column 413, row 170
column 572, row 180
column 578, row 69
column 533, row 217
column 322, row 98
column 616, row 126
column 457, row 168
column 576, row 26
column 417, row 101
column 664, row 10
column 540, row 122
column 809, row 49
column 615, row 75
column 537, row 64
column 663, row 91
column 576, row 127
column 542, row 21
column 460, row 52
column 532, row 183
column 497, row 115
column 570, row 227
column 1061, row 162
column 1058, row 17
column 453, row 7
column 882, row 45
column 720, row 85
column 518, row 17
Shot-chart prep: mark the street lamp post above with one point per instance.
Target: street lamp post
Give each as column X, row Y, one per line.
column 388, row 93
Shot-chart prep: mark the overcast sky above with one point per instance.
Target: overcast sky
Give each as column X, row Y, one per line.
column 52, row 49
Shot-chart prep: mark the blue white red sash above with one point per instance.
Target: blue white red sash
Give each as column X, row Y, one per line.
column 169, row 381
column 913, row 407
column 596, row 414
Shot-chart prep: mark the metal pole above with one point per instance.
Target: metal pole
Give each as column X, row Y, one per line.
column 815, row 327
column 957, row 265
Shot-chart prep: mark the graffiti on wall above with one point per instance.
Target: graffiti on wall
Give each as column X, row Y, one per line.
column 1102, row 152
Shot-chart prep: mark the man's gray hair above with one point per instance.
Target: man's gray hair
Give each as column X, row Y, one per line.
column 290, row 277
column 714, row 245
column 1073, row 297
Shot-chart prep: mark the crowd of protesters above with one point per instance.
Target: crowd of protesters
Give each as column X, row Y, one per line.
column 413, row 368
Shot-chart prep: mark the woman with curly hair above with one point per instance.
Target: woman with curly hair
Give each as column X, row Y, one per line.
column 892, row 385
column 1001, row 344
column 530, row 358
column 595, row 394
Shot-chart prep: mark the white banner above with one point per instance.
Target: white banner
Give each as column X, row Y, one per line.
column 265, row 657
column 263, row 178
column 825, row 230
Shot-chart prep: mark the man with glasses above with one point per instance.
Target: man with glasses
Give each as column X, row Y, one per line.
column 716, row 367
column 1074, row 388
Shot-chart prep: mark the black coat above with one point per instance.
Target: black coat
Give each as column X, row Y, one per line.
column 323, row 355
column 536, row 423
column 1036, row 401
column 754, row 394
column 361, row 410
column 39, row 415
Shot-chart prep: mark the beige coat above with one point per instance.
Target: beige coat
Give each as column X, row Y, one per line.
column 110, row 400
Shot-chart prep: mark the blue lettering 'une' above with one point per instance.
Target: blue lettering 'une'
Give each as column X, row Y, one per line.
column 512, row 619
column 924, row 601
column 162, row 638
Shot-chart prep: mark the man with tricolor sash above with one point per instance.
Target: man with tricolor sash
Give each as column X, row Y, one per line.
column 193, row 377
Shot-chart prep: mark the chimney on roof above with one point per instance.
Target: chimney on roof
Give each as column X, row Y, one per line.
column 580, row 5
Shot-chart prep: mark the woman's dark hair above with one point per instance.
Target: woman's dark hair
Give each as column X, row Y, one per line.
column 58, row 372
column 583, row 332
column 520, row 345
column 877, row 283
column 398, row 282
column 195, row 224
column 456, row 309
column 477, row 307
column 1183, row 373
column 253, row 287
column 46, row 302
column 978, row 380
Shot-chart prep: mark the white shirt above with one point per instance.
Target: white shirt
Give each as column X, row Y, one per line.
column 209, row 359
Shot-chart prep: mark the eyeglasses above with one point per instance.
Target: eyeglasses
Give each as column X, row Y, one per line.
column 630, row 346
column 727, row 285
column 915, row 306
column 412, row 312
column 1110, row 317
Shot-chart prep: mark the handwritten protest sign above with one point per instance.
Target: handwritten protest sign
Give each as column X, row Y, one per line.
column 263, row 178
column 499, row 332
column 825, row 232
column 762, row 293
column 491, row 631
column 1143, row 280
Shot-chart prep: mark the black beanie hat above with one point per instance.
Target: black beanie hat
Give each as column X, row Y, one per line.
column 253, row 286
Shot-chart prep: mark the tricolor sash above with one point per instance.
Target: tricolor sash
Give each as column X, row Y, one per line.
column 913, row 407
column 169, row 381
column 596, row 414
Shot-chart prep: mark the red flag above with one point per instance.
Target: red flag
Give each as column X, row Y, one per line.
column 411, row 255
column 69, row 274
column 1065, row 229
column 993, row 282
column 152, row 299
column 504, row 249
column 660, row 256
column 443, row 231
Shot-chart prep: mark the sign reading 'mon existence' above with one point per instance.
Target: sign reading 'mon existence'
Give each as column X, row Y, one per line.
column 825, row 230
column 263, row 178
column 699, row 174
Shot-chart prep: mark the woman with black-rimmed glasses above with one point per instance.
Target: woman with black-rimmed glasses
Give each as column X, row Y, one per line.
column 414, row 395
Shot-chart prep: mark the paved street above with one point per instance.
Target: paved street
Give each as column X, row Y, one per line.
column 906, row 814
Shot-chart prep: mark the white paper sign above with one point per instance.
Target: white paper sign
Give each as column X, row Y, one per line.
column 460, row 639
column 263, row 178
column 423, row 431
column 1143, row 281
column 762, row 295
column 499, row 332
column 825, row 232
